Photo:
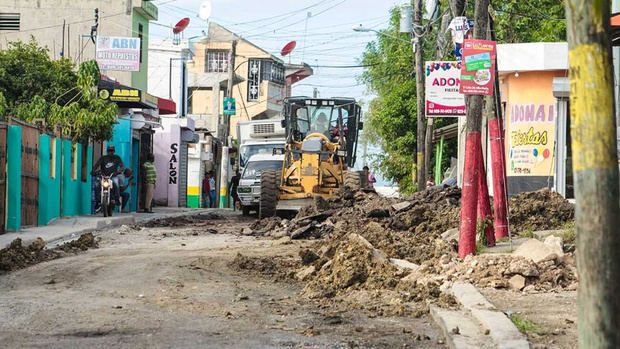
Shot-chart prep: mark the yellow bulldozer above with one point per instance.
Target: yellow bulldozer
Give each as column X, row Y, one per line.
column 319, row 154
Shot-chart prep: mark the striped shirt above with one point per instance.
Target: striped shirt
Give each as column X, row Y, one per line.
column 150, row 172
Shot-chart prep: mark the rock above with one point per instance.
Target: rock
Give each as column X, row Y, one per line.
column 517, row 282
column 536, row 251
column 529, row 288
column 542, row 234
column 451, row 234
column 556, row 243
column 377, row 255
column 378, row 213
column 306, row 273
column 402, row 206
column 522, row 267
column 403, row 264
column 327, row 264
column 302, row 232
column 308, row 256
column 444, row 259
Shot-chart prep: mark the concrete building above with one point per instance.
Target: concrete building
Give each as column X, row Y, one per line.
column 64, row 26
column 168, row 71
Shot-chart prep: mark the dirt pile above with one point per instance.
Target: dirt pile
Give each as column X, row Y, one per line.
column 539, row 210
column 17, row 256
column 276, row 268
column 180, row 220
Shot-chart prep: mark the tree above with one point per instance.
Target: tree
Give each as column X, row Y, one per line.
column 34, row 87
column 595, row 169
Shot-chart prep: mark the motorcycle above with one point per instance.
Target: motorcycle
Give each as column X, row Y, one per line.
column 106, row 199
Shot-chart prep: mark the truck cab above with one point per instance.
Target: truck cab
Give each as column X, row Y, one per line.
column 259, row 137
column 249, row 183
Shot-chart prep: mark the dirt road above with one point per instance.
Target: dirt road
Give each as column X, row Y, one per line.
column 186, row 287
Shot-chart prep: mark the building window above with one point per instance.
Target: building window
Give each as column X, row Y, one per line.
column 272, row 71
column 9, row 21
column 140, row 30
column 217, row 61
column 254, row 69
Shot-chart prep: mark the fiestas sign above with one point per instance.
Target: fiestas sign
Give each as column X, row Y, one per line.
column 442, row 89
column 478, row 68
column 118, row 53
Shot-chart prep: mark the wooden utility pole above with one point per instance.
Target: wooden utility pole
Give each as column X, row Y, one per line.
column 419, row 76
column 595, row 173
column 469, row 194
column 226, row 129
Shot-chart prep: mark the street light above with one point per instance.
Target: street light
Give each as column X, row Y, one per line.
column 360, row 28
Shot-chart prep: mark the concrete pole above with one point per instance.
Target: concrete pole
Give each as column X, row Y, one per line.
column 595, row 172
column 224, row 177
column 226, row 129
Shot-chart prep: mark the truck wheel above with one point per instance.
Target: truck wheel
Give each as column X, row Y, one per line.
column 352, row 180
column 268, row 194
column 245, row 210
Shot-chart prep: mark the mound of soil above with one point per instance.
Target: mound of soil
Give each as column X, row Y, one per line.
column 181, row 220
column 17, row 256
column 276, row 268
column 539, row 210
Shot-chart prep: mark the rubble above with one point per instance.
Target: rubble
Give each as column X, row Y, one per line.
column 538, row 251
column 539, row 210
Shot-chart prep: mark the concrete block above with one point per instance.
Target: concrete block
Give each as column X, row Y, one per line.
column 470, row 334
column 469, row 296
column 501, row 329
column 536, row 251
column 517, row 282
column 404, row 264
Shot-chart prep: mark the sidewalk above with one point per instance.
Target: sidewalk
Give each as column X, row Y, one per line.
column 67, row 228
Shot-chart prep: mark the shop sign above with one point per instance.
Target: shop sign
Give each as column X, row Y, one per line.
column 120, row 94
column 478, row 67
column 118, row 53
column 531, row 137
column 229, row 106
column 442, row 89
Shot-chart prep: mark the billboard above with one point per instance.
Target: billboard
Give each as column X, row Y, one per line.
column 118, row 53
column 478, row 68
column 442, row 89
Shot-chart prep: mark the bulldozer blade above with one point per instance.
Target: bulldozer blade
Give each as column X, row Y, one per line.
column 293, row 204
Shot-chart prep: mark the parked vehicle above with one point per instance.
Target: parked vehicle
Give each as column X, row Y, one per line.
column 259, row 137
column 249, row 183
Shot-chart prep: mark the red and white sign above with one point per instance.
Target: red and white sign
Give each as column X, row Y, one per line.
column 478, row 67
column 442, row 89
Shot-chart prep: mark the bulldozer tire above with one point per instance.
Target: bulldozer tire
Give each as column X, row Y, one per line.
column 352, row 180
column 268, row 194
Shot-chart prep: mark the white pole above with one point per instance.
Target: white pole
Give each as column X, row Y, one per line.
column 224, row 177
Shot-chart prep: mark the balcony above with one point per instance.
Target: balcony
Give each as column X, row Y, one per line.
column 148, row 10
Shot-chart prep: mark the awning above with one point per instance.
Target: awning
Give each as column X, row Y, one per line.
column 615, row 29
column 297, row 72
column 166, row 106
column 125, row 96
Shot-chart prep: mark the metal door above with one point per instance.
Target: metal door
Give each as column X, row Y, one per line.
column 30, row 175
column 2, row 177
column 183, row 176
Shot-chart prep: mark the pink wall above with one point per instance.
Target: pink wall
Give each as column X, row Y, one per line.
column 166, row 145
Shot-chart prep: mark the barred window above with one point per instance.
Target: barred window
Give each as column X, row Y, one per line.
column 217, row 61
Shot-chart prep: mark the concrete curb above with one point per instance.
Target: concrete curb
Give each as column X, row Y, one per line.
column 500, row 327
column 469, row 334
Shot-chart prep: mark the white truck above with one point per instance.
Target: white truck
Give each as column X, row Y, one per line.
column 249, row 183
column 258, row 137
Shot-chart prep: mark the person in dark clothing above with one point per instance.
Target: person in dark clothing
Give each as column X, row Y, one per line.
column 111, row 165
column 234, row 183
column 206, row 189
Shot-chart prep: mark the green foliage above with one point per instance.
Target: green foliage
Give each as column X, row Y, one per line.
column 530, row 21
column 48, row 90
column 526, row 326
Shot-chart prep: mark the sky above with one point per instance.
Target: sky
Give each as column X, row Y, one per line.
column 328, row 39
column 322, row 29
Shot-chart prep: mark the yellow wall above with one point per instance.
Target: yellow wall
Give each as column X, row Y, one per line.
column 530, row 123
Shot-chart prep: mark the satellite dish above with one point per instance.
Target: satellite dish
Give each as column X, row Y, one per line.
column 181, row 25
column 288, row 48
column 205, row 10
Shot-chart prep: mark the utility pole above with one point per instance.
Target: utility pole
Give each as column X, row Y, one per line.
column 226, row 128
column 419, row 76
column 473, row 149
column 595, row 172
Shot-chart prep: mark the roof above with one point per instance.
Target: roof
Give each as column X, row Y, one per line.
column 534, row 56
column 266, row 157
column 219, row 33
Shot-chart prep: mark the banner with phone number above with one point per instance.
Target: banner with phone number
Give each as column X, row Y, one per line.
column 478, row 67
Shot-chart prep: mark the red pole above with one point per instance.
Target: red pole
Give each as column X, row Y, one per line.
column 484, row 204
column 469, row 195
column 499, row 178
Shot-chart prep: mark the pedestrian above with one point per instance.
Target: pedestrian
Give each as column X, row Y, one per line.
column 371, row 177
column 212, row 190
column 150, row 179
column 206, row 190
column 430, row 182
column 234, row 184
column 125, row 181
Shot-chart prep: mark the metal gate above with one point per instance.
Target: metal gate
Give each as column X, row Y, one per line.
column 2, row 177
column 30, row 175
column 183, row 176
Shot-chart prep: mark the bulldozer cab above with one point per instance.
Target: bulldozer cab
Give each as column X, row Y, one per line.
column 338, row 119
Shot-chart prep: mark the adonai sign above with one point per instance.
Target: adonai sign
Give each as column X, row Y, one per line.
column 442, row 89
column 118, row 53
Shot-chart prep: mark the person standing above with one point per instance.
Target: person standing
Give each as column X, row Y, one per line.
column 212, row 190
column 371, row 177
column 206, row 190
column 234, row 184
column 125, row 180
column 150, row 180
